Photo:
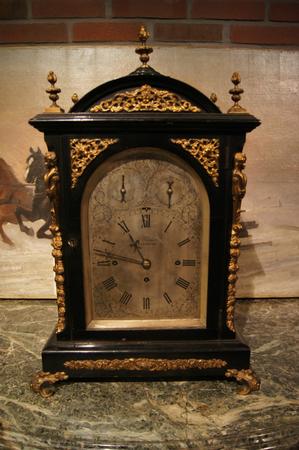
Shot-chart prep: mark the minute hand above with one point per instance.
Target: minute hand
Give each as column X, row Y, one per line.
column 119, row 257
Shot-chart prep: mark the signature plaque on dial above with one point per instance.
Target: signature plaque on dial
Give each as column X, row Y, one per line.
column 145, row 225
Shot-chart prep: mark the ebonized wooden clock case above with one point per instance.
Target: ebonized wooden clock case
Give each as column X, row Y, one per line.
column 145, row 175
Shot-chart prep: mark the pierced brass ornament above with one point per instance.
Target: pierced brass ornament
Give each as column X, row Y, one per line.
column 145, row 98
column 52, row 183
column 239, row 182
column 236, row 92
column 84, row 151
column 53, row 92
column 41, row 381
column 247, row 376
column 143, row 51
column 206, row 151
column 151, row 364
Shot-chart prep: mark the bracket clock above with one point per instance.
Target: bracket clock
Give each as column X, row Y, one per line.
column 145, row 175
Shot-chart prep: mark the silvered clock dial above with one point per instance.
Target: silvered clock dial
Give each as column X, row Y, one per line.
column 145, row 227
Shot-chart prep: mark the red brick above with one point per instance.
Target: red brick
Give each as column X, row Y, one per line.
column 35, row 32
column 284, row 12
column 178, row 32
column 164, row 9
column 272, row 35
column 68, row 8
column 228, row 9
column 105, row 31
column 13, row 9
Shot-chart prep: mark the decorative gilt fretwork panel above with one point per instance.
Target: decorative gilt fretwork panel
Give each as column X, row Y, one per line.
column 239, row 181
column 145, row 98
column 84, row 151
column 151, row 364
column 52, row 183
column 206, row 151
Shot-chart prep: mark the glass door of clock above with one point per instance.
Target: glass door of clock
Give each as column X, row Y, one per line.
column 145, row 241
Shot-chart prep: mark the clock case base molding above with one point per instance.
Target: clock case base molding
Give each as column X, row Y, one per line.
column 144, row 361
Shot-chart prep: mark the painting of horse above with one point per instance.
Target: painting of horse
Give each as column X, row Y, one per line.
column 24, row 200
column 12, row 194
column 40, row 208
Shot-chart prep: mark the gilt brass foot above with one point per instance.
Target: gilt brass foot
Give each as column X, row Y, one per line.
column 41, row 381
column 247, row 376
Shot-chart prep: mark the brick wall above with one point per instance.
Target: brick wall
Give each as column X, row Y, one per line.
column 224, row 22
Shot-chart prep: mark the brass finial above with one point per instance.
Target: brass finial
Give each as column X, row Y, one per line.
column 143, row 51
column 236, row 92
column 53, row 94
column 75, row 98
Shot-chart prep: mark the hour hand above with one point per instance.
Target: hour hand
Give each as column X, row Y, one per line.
column 136, row 246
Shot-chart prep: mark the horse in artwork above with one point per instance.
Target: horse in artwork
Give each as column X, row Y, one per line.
column 40, row 207
column 12, row 194
column 19, row 200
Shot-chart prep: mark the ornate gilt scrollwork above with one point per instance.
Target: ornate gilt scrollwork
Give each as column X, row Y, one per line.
column 247, row 376
column 52, row 183
column 41, row 381
column 239, row 181
column 83, row 151
column 206, row 151
column 151, row 364
column 145, row 98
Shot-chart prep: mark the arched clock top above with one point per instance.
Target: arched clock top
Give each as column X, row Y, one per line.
column 144, row 92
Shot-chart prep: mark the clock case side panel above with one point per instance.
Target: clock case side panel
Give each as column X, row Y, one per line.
column 60, row 207
column 235, row 144
column 159, row 140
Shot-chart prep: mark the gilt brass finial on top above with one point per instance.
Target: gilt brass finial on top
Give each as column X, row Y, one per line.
column 143, row 51
column 236, row 92
column 53, row 92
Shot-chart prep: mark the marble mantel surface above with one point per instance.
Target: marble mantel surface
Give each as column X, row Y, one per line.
column 161, row 415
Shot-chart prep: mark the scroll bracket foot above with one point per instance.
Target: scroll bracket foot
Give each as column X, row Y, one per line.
column 42, row 381
column 246, row 376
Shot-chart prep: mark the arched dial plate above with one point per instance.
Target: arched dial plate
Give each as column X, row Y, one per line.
column 145, row 233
